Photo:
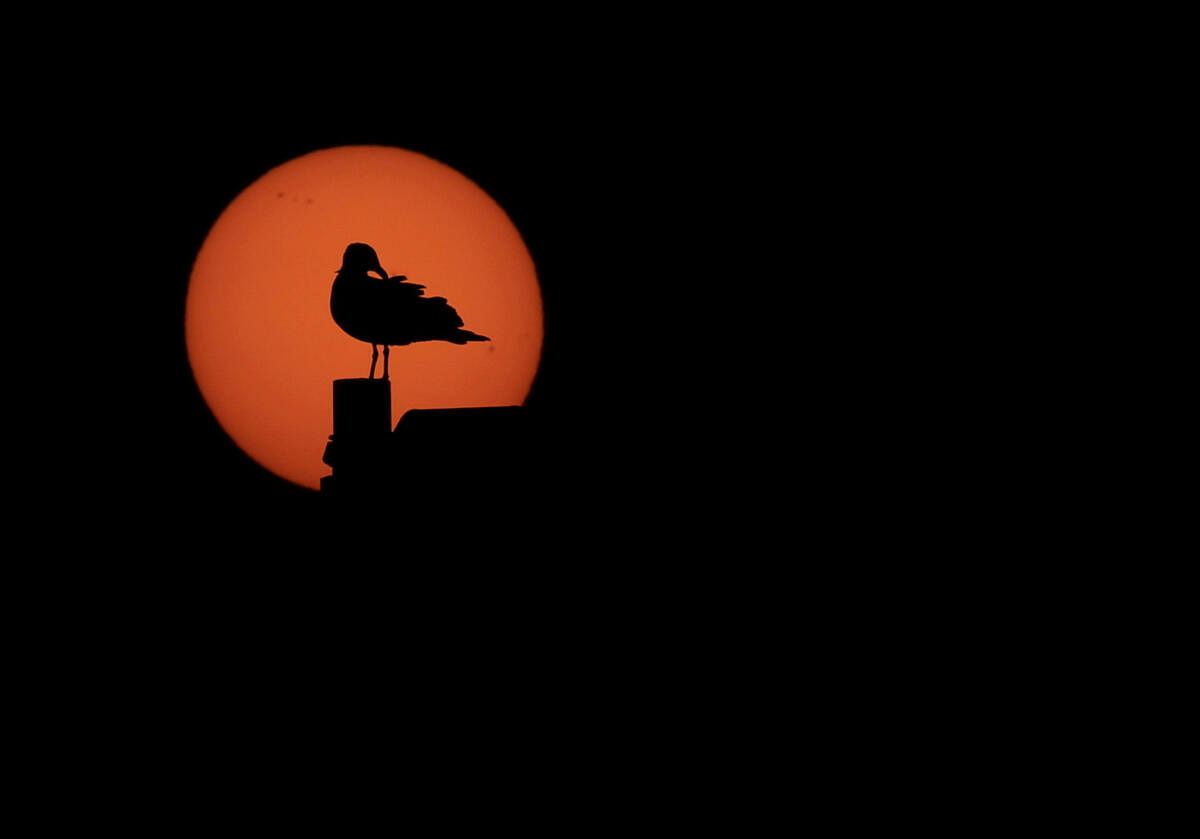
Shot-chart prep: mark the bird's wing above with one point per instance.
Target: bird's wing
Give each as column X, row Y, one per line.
column 399, row 287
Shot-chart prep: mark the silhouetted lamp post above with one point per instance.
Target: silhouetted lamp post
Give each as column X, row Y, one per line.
column 362, row 423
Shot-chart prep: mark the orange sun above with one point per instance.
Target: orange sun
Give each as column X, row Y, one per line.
column 260, row 339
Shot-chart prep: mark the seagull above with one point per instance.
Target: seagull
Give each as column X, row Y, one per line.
column 388, row 310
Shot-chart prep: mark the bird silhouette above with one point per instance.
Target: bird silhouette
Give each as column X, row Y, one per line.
column 389, row 311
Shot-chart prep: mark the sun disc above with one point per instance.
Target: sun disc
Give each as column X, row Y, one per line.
column 262, row 345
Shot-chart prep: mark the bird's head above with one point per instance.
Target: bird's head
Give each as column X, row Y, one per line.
column 361, row 259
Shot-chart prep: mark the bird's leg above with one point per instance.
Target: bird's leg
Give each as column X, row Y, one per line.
column 386, row 351
column 374, row 358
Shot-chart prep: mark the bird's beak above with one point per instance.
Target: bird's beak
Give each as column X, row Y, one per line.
column 379, row 270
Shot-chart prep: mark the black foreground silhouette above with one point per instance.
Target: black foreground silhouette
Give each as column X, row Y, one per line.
column 389, row 310
column 446, row 449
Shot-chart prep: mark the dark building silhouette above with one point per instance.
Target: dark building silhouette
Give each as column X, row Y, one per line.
column 429, row 449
